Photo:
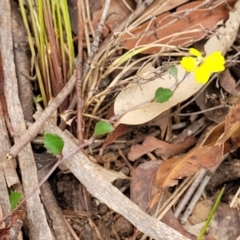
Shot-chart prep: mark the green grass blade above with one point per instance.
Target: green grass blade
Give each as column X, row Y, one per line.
column 215, row 206
column 68, row 29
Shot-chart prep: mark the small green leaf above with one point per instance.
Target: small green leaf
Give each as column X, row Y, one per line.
column 173, row 71
column 14, row 199
column 162, row 95
column 102, row 127
column 38, row 98
column 53, row 143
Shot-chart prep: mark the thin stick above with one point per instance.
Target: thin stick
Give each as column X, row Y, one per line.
column 79, row 73
column 60, row 159
column 95, row 44
column 202, row 111
column 35, row 128
column 74, row 235
column 200, row 190
column 94, row 48
column 95, row 182
column 189, row 193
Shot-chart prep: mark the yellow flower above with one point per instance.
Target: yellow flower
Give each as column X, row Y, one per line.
column 203, row 67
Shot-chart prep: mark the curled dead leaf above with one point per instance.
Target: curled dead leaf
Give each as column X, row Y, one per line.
column 173, row 169
column 162, row 148
column 228, row 83
column 226, row 132
column 233, row 117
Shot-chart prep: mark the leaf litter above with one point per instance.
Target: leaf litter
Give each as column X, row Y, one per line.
column 145, row 130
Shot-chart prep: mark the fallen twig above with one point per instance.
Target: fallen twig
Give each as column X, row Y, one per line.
column 79, row 70
column 33, row 130
column 94, row 48
column 38, row 226
column 87, row 173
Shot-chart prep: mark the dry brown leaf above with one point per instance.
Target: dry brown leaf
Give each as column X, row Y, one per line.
column 129, row 100
column 173, row 169
column 228, row 83
column 233, row 117
column 118, row 11
column 142, row 186
column 143, row 189
column 120, row 130
column 172, row 4
column 231, row 138
column 14, row 222
column 176, row 29
column 116, row 133
column 155, row 9
column 162, row 148
column 231, row 135
column 214, row 134
column 129, row 103
column 225, row 35
column 176, row 148
column 223, row 138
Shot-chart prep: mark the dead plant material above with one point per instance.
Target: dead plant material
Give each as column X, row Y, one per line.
column 181, row 28
column 224, row 224
column 79, row 72
column 143, row 190
column 162, row 148
column 118, row 12
column 55, row 214
column 97, row 185
column 175, row 168
column 223, row 138
column 228, row 83
column 22, row 63
column 209, row 98
column 228, row 171
column 34, row 129
column 38, row 226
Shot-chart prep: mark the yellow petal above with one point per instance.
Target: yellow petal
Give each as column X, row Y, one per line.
column 189, row 63
column 202, row 74
column 215, row 62
column 195, row 52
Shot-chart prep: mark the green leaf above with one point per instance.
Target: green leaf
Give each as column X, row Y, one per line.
column 38, row 98
column 173, row 71
column 162, row 95
column 14, row 199
column 102, row 127
column 53, row 143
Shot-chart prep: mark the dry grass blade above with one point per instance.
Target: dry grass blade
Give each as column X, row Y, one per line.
column 52, row 49
column 38, row 226
column 124, row 64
